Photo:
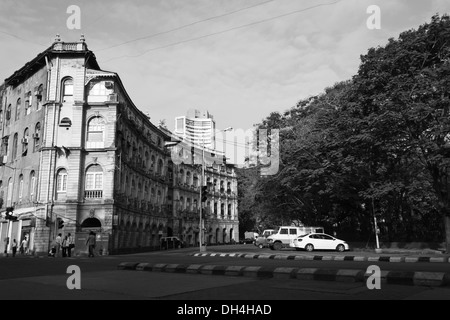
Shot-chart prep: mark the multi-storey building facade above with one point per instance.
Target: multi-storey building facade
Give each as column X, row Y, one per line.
column 197, row 127
column 76, row 150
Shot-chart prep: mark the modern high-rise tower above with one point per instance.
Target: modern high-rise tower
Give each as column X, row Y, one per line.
column 197, row 127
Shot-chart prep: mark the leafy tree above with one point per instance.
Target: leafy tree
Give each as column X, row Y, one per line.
column 377, row 144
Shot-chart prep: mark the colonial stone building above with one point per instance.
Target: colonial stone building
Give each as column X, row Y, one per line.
column 77, row 155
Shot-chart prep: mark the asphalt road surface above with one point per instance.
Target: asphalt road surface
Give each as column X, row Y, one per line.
column 25, row 278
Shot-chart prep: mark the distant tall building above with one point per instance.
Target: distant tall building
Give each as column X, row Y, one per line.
column 197, row 127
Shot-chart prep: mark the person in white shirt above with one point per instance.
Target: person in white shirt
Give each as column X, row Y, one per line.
column 24, row 246
column 58, row 242
column 70, row 244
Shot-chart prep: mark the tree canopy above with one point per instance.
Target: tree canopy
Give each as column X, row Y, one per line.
column 377, row 144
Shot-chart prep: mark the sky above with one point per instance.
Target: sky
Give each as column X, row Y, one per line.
column 238, row 59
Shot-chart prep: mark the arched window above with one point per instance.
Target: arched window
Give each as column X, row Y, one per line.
column 8, row 115
column 28, row 103
column 152, row 166
column 146, row 192
column 195, row 204
column 229, row 209
column 25, row 140
column 181, row 204
column 188, row 204
column 67, row 90
column 39, row 92
column 95, row 132
column 195, row 180
column 181, row 176
column 133, row 188
column 32, row 185
column 147, row 160
column 18, row 107
column 188, row 178
column 9, row 193
column 160, row 167
column 159, row 198
column 20, row 187
column 15, row 146
column 94, row 182
column 37, row 137
column 139, row 191
column 61, row 181
column 127, row 184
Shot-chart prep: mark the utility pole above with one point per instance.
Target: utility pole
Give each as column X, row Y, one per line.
column 202, row 183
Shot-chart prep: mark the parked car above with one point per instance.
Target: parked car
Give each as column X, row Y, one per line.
column 319, row 241
column 171, row 243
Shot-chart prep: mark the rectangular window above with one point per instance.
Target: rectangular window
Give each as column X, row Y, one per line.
column 20, row 189
column 33, row 183
column 94, row 181
column 61, row 185
column 292, row 231
column 284, row 231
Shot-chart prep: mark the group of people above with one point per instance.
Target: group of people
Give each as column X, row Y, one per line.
column 63, row 246
column 23, row 247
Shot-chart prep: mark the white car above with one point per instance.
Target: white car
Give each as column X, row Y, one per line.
column 318, row 241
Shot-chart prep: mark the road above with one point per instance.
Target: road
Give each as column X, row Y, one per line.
column 25, row 278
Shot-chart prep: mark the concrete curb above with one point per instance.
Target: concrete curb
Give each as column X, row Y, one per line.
column 429, row 279
column 327, row 257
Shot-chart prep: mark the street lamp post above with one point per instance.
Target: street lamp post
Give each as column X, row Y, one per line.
column 202, row 183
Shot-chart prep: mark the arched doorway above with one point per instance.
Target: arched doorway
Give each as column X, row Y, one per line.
column 217, row 236
column 231, row 236
column 224, row 235
column 91, row 223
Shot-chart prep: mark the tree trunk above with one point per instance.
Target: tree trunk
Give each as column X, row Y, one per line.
column 447, row 233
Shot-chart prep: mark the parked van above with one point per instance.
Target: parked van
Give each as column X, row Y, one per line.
column 285, row 235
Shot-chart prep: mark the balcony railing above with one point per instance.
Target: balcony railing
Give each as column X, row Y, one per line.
column 93, row 194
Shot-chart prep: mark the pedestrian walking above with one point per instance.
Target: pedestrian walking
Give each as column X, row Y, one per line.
column 27, row 248
column 71, row 244
column 58, row 243
column 14, row 247
column 6, row 245
column 90, row 242
column 24, row 246
column 64, row 246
